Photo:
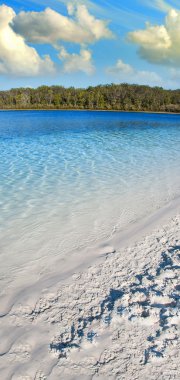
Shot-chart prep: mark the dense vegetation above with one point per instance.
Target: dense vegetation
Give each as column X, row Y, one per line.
column 104, row 97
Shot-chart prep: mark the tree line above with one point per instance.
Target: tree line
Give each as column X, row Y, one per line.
column 123, row 97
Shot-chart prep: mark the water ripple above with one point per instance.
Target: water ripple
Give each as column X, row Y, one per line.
column 79, row 176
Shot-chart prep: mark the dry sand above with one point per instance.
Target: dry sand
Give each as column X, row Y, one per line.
column 118, row 318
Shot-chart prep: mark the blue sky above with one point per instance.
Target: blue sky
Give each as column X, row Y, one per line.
column 82, row 43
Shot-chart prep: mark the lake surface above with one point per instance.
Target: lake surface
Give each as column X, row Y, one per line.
column 69, row 178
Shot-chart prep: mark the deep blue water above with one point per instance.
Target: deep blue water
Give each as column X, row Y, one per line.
column 81, row 175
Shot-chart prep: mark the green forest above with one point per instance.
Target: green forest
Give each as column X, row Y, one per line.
column 123, row 97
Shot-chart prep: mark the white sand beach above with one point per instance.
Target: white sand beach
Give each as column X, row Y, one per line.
column 90, row 190
column 115, row 316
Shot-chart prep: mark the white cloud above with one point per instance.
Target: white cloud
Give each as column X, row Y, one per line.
column 16, row 57
column 162, row 5
column 175, row 74
column 51, row 27
column 160, row 43
column 157, row 4
column 77, row 62
column 48, row 26
column 121, row 68
column 127, row 73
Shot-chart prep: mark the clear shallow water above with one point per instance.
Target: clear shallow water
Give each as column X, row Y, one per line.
column 69, row 178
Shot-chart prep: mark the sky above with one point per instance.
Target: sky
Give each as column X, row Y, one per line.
column 84, row 43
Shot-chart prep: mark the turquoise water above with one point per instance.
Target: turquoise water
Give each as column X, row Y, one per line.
column 69, row 178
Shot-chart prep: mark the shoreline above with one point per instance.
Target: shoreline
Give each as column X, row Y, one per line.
column 98, row 320
column 86, row 256
column 89, row 110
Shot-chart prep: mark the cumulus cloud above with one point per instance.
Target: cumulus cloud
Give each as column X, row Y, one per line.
column 16, row 57
column 51, row 27
column 48, row 26
column 77, row 62
column 160, row 44
column 127, row 73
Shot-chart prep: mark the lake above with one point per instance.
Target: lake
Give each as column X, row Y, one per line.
column 70, row 178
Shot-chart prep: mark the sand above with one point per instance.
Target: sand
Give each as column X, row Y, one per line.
column 114, row 317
